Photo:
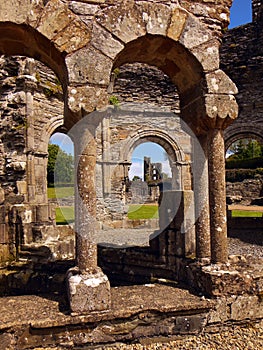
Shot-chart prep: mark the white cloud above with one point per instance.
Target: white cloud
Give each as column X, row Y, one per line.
column 136, row 169
column 166, row 168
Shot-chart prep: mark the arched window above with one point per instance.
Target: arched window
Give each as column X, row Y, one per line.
column 60, row 176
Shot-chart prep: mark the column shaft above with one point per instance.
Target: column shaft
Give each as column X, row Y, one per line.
column 86, row 248
column 217, row 196
column 201, row 185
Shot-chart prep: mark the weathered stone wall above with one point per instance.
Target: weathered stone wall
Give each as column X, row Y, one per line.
column 31, row 108
column 246, row 191
column 241, row 56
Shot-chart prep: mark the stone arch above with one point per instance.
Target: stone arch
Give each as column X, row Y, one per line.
column 233, row 134
column 173, row 59
column 175, row 153
column 136, row 20
column 21, row 39
column 156, row 136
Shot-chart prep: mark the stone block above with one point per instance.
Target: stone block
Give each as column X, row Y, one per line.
column 218, row 280
column 246, row 307
column 123, row 21
column 88, row 292
column 4, row 253
column 15, row 11
column 42, row 213
column 220, row 314
column 74, row 37
column 194, row 33
column 104, row 41
column 177, row 24
column 189, row 324
column 21, row 187
column 82, row 8
column 2, row 195
column 87, row 97
column 2, row 213
column 89, row 65
column 155, row 16
column 55, row 17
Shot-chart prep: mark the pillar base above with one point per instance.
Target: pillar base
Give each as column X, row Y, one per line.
column 88, row 291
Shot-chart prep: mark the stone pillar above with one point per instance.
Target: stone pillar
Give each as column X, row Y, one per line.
column 176, row 216
column 217, row 196
column 88, row 287
column 201, row 192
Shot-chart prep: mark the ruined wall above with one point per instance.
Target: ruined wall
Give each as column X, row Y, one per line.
column 242, row 59
column 30, row 103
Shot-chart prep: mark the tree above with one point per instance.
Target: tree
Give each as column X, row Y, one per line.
column 245, row 149
column 60, row 167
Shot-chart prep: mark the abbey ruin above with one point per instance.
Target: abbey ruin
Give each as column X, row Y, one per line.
column 113, row 75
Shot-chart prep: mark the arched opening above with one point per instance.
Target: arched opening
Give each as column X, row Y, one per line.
column 60, row 177
column 244, row 162
column 244, row 189
column 147, row 111
column 25, row 41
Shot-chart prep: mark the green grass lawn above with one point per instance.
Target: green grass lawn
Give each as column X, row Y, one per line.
column 64, row 215
column 246, row 213
column 144, row 211
column 60, row 192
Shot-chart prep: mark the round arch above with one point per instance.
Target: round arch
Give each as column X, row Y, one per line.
column 234, row 134
column 170, row 56
column 176, row 155
column 23, row 40
column 157, row 136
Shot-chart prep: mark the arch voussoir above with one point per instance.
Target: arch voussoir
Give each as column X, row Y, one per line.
column 156, row 17
column 104, row 41
column 194, row 33
column 123, row 21
column 63, row 27
column 208, row 54
column 177, row 23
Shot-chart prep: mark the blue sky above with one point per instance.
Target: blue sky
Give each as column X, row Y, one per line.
column 63, row 141
column 241, row 13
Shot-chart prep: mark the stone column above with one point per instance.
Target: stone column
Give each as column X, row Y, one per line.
column 201, row 192
column 89, row 288
column 217, row 196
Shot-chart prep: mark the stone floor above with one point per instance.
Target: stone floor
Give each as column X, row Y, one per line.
column 138, row 311
column 29, row 321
